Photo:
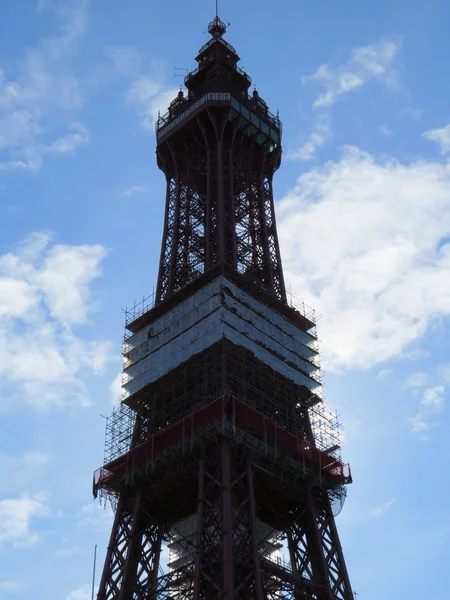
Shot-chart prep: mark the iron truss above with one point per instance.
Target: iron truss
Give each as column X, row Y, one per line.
column 227, row 557
column 239, row 491
column 219, row 205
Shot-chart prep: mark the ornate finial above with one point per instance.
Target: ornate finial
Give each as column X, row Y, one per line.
column 217, row 27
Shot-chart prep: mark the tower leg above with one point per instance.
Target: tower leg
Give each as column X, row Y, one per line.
column 316, row 554
column 133, row 556
column 227, row 561
column 111, row 581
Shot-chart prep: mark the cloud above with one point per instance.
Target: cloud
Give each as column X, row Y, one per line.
column 375, row 62
column 39, row 96
column 116, row 388
column 372, row 62
column 433, row 397
column 359, row 239
column 380, row 510
column 147, row 96
column 16, row 515
column 431, row 403
column 316, row 139
column 79, row 136
column 147, row 92
column 136, row 189
column 419, row 425
column 65, row 145
column 441, row 137
column 45, row 291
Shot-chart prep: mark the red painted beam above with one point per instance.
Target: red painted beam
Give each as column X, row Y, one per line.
column 244, row 415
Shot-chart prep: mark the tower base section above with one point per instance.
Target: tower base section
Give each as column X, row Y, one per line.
column 251, row 537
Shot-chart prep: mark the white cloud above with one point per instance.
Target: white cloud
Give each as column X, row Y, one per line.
column 64, row 277
column 147, row 93
column 147, row 96
column 432, row 401
column 433, row 397
column 380, row 510
column 419, row 425
column 116, row 388
column 44, row 292
column 441, row 137
column 136, row 189
column 16, row 515
column 316, row 139
column 359, row 240
column 40, row 94
column 375, row 61
column 67, row 144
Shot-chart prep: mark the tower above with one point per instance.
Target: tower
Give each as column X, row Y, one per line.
column 222, row 461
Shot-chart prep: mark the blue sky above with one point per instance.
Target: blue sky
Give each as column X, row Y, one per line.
column 363, row 207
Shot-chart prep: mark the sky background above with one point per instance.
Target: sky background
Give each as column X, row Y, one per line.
column 363, row 209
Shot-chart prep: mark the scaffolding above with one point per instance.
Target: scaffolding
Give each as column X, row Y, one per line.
column 272, row 368
column 220, row 340
column 219, row 310
column 133, row 312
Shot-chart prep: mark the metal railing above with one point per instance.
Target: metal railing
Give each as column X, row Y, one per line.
column 139, row 308
column 235, row 68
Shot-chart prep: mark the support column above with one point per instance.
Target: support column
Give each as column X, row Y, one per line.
column 227, row 524
column 254, row 539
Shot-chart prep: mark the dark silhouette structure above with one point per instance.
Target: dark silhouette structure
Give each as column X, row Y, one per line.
column 222, row 461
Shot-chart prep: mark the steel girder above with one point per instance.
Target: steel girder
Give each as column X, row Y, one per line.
column 219, row 206
column 227, row 558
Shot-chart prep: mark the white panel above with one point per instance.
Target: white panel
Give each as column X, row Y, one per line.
column 218, row 310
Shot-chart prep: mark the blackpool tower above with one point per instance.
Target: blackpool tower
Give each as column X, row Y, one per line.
column 222, row 461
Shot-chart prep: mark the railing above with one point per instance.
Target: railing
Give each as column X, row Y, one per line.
column 262, row 111
column 139, row 308
column 148, row 302
column 163, row 127
column 306, row 311
column 213, row 41
column 235, row 68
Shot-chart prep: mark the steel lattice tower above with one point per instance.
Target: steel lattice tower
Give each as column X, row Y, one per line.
column 222, row 452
